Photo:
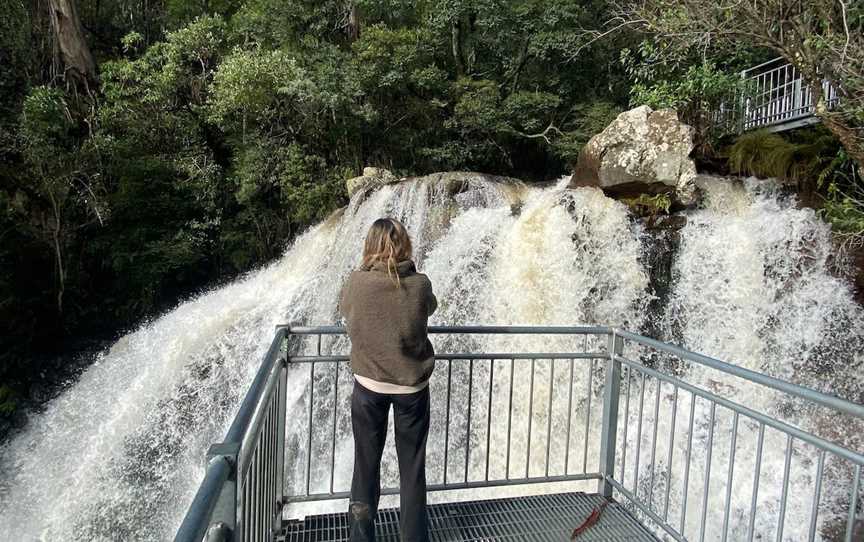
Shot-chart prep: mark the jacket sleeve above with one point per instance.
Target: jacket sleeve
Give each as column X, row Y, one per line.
column 344, row 299
column 431, row 301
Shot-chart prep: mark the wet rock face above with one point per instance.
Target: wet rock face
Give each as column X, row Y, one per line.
column 641, row 152
column 372, row 177
column 455, row 181
column 661, row 245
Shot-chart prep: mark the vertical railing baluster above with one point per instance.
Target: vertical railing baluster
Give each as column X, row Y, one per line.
column 707, row 470
column 276, row 496
column 259, row 469
column 509, row 420
column 269, row 472
column 335, row 413
column 788, row 461
column 750, row 527
column 817, row 491
column 309, row 441
column 549, row 414
column 274, row 462
column 626, row 424
column 489, row 416
column 256, row 500
column 853, row 504
column 686, row 486
column 569, row 420
column 265, row 443
column 669, row 456
column 468, row 422
column 530, row 420
column 589, row 383
column 246, row 514
column 280, row 437
column 654, row 444
column 729, row 476
column 447, row 419
column 639, row 434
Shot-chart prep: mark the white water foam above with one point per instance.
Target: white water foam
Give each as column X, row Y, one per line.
column 120, row 453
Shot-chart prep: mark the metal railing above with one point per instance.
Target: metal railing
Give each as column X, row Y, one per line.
column 241, row 495
column 775, row 96
column 573, row 413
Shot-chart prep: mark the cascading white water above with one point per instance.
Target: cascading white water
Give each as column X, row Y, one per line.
column 119, row 454
column 756, row 284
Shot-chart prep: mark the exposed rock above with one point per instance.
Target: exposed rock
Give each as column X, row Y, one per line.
column 455, row 181
column 459, row 181
column 641, row 152
column 372, row 177
column 664, row 240
column 668, row 222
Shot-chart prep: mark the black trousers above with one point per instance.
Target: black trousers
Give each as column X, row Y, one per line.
column 369, row 413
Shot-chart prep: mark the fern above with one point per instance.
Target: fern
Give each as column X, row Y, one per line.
column 765, row 154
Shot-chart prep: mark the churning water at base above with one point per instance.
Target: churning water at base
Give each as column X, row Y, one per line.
column 120, row 453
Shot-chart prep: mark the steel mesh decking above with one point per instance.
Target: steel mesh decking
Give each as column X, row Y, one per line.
column 541, row 517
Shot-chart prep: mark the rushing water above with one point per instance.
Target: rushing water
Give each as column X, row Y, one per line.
column 119, row 454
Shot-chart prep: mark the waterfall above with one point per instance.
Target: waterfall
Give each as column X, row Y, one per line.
column 120, row 452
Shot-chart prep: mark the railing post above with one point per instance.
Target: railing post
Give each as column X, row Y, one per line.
column 224, row 517
column 281, row 414
column 609, row 434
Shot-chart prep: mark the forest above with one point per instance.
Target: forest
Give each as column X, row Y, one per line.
column 152, row 149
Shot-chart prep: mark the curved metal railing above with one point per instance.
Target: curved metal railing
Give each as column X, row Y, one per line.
column 245, row 488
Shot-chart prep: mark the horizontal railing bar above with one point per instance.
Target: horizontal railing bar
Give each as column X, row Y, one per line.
column 735, row 407
column 197, row 518
column 647, row 511
column 824, row 399
column 454, row 486
column 518, row 330
column 766, row 63
column 250, row 402
column 469, row 356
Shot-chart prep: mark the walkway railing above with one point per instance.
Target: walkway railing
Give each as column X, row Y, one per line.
column 774, row 96
column 573, row 412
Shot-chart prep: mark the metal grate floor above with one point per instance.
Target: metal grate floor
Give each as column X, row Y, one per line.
column 540, row 517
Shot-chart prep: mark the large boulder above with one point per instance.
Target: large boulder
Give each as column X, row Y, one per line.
column 372, row 177
column 641, row 152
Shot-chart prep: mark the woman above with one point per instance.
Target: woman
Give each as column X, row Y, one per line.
column 386, row 304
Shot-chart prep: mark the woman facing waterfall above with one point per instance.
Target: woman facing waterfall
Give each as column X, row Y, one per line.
column 386, row 304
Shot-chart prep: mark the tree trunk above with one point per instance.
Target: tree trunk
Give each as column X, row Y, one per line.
column 58, row 251
column 354, row 23
column 847, row 135
column 520, row 63
column 69, row 43
column 456, row 41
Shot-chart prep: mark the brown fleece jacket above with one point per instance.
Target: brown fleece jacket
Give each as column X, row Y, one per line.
column 387, row 324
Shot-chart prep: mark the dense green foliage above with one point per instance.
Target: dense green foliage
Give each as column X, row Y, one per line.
column 695, row 85
column 218, row 130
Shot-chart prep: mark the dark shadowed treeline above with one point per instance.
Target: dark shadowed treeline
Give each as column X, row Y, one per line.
column 153, row 148
column 212, row 132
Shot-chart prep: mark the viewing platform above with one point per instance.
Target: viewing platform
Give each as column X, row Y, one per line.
column 620, row 436
column 546, row 517
column 775, row 98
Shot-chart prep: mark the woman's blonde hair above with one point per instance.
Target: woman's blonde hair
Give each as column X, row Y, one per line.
column 387, row 242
